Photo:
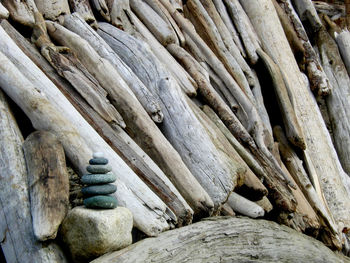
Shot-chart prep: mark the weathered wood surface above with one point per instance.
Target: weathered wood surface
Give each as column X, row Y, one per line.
column 21, row 11
column 150, row 103
column 48, row 183
column 4, row 13
column 119, row 11
column 319, row 148
column 16, row 231
column 225, row 239
column 78, row 138
column 53, row 9
column 307, row 12
column 101, row 7
column 338, row 102
column 139, row 125
column 244, row 206
column 84, row 9
column 343, row 42
column 116, row 137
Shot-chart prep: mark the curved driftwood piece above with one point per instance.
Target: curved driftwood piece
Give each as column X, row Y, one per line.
column 338, row 76
column 208, row 31
column 4, row 13
column 296, row 169
column 230, row 239
column 154, row 22
column 21, row 11
column 291, row 124
column 48, row 183
column 101, row 8
column 16, row 231
column 53, row 9
column 307, row 12
column 83, row 8
column 183, row 78
column 117, row 138
column 319, row 148
column 54, row 113
column 244, row 206
column 222, row 10
column 139, row 125
column 248, row 35
column 314, row 70
column 149, row 102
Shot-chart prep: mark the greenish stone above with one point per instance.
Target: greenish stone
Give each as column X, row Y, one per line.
column 98, row 169
column 98, row 161
column 103, row 189
column 101, row 201
column 98, row 178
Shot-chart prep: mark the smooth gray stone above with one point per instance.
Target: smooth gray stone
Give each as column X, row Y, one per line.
column 98, row 169
column 103, row 189
column 98, row 178
column 101, row 201
column 98, row 161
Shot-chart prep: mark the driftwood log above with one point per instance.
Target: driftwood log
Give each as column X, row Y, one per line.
column 3, row 12
column 227, row 240
column 21, row 11
column 16, row 231
column 48, row 183
column 53, row 9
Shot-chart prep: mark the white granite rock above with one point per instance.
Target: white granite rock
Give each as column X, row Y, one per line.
column 90, row 233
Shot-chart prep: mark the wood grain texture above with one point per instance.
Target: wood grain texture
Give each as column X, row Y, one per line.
column 53, row 9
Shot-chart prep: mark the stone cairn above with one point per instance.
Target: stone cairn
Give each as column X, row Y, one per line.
column 97, row 193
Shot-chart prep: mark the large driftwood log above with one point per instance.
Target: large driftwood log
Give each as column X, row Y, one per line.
column 16, row 231
column 53, row 9
column 48, row 183
column 227, row 240
column 149, row 102
column 139, row 125
column 21, row 11
column 3, row 12
column 319, row 149
column 49, row 110
column 338, row 76
column 117, row 138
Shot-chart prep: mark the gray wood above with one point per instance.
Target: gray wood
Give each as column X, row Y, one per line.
column 48, row 183
column 21, row 11
column 4, row 13
column 53, row 9
column 16, row 231
column 225, row 239
column 101, row 7
column 84, row 9
column 307, row 12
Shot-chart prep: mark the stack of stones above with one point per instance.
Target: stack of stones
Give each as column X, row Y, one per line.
column 97, row 193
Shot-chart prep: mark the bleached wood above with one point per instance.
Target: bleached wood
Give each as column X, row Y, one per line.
column 140, row 126
column 244, row 27
column 183, row 78
column 338, row 76
column 84, row 9
column 154, row 22
column 319, row 146
column 265, row 204
column 100, row 6
column 53, row 9
column 49, row 110
column 4, row 13
column 244, row 206
column 307, row 12
column 16, row 231
column 119, row 12
column 48, row 183
column 343, row 42
column 21, row 11
column 150, row 103
column 227, row 239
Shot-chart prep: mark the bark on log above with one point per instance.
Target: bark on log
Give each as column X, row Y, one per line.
column 4, row 13
column 48, row 183
column 319, row 146
column 45, row 106
column 149, row 102
column 229, row 240
column 140, row 126
column 338, row 76
column 53, row 9
column 21, row 11
column 84, row 9
column 117, row 138
column 16, row 231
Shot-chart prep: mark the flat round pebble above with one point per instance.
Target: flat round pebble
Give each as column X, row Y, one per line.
column 97, row 155
column 101, row 201
column 98, row 178
column 103, row 189
column 98, row 161
column 98, row 169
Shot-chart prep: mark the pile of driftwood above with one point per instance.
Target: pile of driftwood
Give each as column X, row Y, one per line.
column 202, row 107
